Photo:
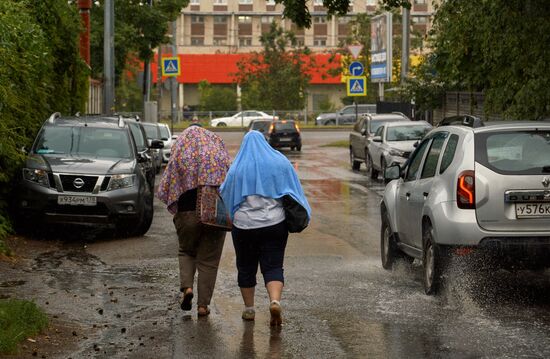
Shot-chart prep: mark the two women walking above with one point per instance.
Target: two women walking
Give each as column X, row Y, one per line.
column 252, row 191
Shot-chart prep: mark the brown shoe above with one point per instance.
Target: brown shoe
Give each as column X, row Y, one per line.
column 203, row 310
column 276, row 313
column 185, row 300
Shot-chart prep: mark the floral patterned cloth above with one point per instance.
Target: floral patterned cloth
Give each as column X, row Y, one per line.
column 198, row 158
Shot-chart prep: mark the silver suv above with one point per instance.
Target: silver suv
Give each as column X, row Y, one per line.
column 466, row 190
column 87, row 171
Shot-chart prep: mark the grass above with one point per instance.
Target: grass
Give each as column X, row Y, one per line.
column 341, row 144
column 4, row 249
column 19, row 319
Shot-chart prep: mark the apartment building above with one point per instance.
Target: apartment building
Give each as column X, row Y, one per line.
column 209, row 31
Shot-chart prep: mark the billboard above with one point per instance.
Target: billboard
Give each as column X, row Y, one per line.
column 381, row 48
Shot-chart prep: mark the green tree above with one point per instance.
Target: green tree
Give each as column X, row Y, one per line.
column 275, row 78
column 505, row 56
column 217, row 98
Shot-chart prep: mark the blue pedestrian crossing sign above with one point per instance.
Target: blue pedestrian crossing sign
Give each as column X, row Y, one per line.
column 357, row 86
column 170, row 66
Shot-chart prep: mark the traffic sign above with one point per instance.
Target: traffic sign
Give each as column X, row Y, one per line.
column 356, row 68
column 170, row 66
column 357, row 86
column 355, row 50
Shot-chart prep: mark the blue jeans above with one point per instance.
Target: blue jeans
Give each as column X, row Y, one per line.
column 264, row 246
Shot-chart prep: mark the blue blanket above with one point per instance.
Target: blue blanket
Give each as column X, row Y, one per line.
column 260, row 170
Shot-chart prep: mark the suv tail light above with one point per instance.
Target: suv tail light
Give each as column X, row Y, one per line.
column 465, row 190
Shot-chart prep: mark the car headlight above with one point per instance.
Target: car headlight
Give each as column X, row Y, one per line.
column 36, row 176
column 395, row 152
column 121, row 181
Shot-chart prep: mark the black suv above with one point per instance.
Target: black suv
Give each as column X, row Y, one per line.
column 87, row 171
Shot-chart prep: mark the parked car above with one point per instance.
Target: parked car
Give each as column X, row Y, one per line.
column 86, row 171
column 262, row 126
column 241, row 119
column 145, row 152
column 362, row 131
column 470, row 189
column 153, row 133
column 345, row 116
column 392, row 143
column 166, row 137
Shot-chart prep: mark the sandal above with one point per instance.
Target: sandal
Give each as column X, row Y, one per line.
column 276, row 313
column 203, row 310
column 185, row 300
column 249, row 314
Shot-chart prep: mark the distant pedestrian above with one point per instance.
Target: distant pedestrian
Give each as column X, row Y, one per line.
column 198, row 158
column 253, row 190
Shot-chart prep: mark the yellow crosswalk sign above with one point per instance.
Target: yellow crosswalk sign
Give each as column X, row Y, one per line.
column 170, row 66
column 356, row 86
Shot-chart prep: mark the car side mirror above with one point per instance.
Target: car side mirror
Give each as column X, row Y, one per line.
column 392, row 172
column 377, row 139
column 156, row 144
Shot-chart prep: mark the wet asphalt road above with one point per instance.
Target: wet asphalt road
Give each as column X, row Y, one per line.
column 120, row 294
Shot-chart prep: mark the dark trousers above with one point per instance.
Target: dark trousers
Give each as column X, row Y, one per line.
column 264, row 246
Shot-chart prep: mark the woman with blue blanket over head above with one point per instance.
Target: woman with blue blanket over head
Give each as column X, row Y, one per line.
column 253, row 190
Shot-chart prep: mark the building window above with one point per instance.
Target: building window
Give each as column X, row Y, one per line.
column 318, row 2
column 194, row 2
column 300, row 41
column 197, row 41
column 220, row 19
column 245, row 41
column 320, row 41
column 270, row 2
column 419, row 19
column 344, row 19
column 245, row 1
column 219, row 41
column 245, row 20
column 220, row 2
column 319, row 19
column 268, row 19
column 372, row 2
column 197, row 19
column 417, row 2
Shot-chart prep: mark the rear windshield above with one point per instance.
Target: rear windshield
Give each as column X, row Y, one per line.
column 517, row 152
column 152, row 131
column 84, row 141
column 262, row 126
column 164, row 133
column 406, row 133
column 285, row 126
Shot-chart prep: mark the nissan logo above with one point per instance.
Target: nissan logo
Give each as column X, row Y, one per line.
column 78, row 182
column 546, row 181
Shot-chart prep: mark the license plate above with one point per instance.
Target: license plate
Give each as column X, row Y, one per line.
column 285, row 139
column 532, row 210
column 76, row 200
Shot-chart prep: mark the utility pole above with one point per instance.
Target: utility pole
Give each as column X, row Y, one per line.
column 109, row 57
column 405, row 48
column 147, row 74
column 173, row 79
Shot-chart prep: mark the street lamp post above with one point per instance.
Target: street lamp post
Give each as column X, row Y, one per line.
column 109, row 57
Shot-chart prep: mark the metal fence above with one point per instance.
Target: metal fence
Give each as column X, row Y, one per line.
column 207, row 116
column 463, row 103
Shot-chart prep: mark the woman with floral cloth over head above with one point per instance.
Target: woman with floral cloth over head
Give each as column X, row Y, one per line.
column 198, row 158
column 253, row 190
